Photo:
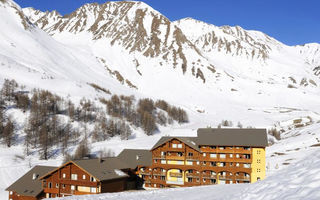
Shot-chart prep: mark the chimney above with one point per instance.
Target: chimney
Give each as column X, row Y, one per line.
column 34, row 176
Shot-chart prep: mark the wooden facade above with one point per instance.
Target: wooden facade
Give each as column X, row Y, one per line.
column 15, row 196
column 176, row 164
column 71, row 179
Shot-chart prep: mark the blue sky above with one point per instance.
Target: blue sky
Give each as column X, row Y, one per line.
column 290, row 21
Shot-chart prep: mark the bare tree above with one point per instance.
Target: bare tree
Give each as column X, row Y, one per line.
column 8, row 132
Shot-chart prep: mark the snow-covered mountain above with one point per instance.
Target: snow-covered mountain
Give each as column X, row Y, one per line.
column 129, row 48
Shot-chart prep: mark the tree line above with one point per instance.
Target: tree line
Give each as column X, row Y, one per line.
column 53, row 123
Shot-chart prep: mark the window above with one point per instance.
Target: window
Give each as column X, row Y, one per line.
column 258, row 170
column 74, row 176
column 163, row 178
column 163, row 161
column 222, row 155
column 63, row 186
column 258, row 161
column 174, row 145
column 83, row 177
column 155, row 161
column 212, row 147
column 204, row 154
column 10, row 192
column 213, row 155
column 237, row 156
column 258, row 151
column 163, row 153
column 213, row 164
column 179, row 154
column 92, row 179
column 154, row 185
column 230, row 155
column 180, row 162
column 222, row 147
column 190, row 154
column 93, row 190
column 73, row 187
column 57, row 185
column 63, row 175
column 190, row 171
column 204, row 162
column 237, row 164
column 189, row 162
column 246, row 148
column 189, row 179
column 246, row 165
column 180, row 146
column 198, row 162
column 49, row 185
column 204, row 180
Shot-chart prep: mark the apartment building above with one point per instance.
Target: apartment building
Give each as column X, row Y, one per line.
column 215, row 156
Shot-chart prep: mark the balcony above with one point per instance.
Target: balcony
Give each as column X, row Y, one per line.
column 175, row 174
column 175, row 182
column 78, row 182
column 192, row 158
column 208, row 176
column 242, row 178
column 222, row 177
column 159, row 173
column 192, row 175
column 145, row 173
column 175, row 149
column 175, row 157
column 159, row 157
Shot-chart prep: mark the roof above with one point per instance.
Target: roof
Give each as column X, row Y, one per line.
column 135, row 157
column 102, row 169
column 232, row 137
column 190, row 141
column 26, row 186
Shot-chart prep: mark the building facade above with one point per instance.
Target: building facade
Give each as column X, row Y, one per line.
column 215, row 156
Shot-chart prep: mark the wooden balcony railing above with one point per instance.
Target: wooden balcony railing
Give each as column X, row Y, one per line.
column 175, row 158
column 175, row 174
column 159, row 173
column 159, row 157
column 192, row 158
column 192, row 175
column 243, row 178
column 144, row 173
column 222, row 177
column 78, row 182
column 209, row 176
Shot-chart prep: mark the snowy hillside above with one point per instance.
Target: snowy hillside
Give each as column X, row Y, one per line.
column 214, row 73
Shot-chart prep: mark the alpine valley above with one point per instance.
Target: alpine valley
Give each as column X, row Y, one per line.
column 213, row 73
